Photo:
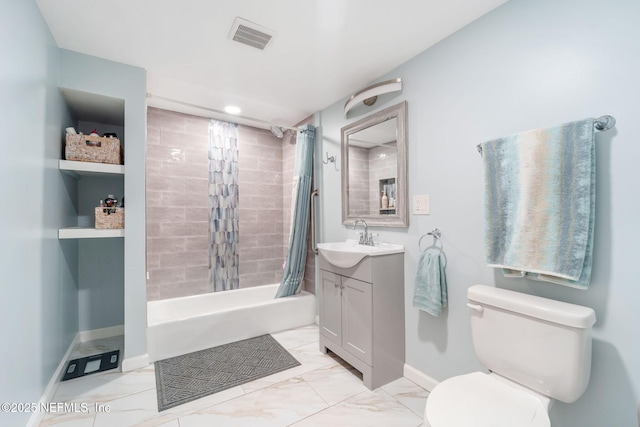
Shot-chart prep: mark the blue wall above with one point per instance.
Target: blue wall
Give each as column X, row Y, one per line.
column 43, row 302
column 98, row 76
column 527, row 64
column 39, row 309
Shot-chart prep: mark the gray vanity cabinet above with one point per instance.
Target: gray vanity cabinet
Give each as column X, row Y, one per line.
column 346, row 314
column 361, row 313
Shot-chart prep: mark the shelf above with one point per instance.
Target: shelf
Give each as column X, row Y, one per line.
column 88, row 233
column 79, row 169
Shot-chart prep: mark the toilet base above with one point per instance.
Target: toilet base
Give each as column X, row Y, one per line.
column 482, row 400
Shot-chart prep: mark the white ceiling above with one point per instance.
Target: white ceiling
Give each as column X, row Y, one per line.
column 323, row 51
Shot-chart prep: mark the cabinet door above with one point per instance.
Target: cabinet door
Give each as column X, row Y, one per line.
column 357, row 319
column 330, row 307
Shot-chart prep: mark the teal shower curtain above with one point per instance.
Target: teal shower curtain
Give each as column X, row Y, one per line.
column 301, row 197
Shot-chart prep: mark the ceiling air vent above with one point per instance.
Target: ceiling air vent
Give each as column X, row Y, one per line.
column 251, row 34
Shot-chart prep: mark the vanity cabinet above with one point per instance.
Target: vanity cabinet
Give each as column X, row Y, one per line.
column 361, row 316
column 346, row 314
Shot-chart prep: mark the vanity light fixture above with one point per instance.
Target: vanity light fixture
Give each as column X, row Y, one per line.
column 369, row 95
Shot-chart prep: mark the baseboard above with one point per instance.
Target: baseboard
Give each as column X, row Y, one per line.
column 136, row 362
column 98, row 334
column 81, row 336
column 37, row 416
column 420, row 378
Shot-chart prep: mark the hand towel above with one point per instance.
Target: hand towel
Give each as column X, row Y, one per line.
column 430, row 292
column 540, row 203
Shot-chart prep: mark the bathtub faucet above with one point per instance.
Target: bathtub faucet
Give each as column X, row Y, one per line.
column 365, row 237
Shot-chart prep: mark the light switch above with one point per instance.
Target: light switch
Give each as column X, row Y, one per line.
column 421, row 205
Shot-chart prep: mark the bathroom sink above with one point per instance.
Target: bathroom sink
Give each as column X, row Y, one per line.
column 349, row 253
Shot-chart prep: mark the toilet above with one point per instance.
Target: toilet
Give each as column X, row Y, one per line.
column 537, row 350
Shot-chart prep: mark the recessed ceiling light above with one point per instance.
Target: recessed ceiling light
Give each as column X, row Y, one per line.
column 232, row 109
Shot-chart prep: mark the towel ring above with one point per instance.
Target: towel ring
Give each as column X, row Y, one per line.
column 437, row 235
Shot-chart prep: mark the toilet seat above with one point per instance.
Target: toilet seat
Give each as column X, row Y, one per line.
column 479, row 400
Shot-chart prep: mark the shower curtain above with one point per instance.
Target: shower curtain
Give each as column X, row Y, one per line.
column 223, row 205
column 302, row 175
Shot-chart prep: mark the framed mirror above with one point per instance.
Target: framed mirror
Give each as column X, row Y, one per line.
column 374, row 169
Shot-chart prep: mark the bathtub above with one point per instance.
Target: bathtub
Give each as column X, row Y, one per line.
column 183, row 325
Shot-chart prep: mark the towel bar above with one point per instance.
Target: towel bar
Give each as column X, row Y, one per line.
column 602, row 123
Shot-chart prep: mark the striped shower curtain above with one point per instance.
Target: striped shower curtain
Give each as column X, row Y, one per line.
column 301, row 197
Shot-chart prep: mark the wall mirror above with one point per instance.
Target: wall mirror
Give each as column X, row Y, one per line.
column 374, row 169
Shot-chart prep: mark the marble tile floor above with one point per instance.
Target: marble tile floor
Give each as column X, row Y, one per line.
column 322, row 391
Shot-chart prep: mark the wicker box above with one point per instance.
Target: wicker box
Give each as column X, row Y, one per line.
column 98, row 149
column 112, row 220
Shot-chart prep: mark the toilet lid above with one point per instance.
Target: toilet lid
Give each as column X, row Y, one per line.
column 478, row 400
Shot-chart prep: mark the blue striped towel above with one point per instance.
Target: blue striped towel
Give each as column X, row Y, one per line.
column 540, row 203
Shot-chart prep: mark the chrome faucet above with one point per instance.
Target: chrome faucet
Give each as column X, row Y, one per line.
column 365, row 237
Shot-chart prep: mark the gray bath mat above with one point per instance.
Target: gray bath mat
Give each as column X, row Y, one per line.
column 191, row 376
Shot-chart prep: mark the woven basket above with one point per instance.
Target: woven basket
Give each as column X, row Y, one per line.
column 97, row 149
column 109, row 220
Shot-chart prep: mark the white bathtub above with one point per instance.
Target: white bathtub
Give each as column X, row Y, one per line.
column 183, row 325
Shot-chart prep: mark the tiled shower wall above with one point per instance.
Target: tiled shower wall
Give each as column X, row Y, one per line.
column 366, row 167
column 383, row 164
column 177, row 205
column 359, row 181
column 260, row 203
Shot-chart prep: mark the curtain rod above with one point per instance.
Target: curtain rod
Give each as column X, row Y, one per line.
column 201, row 107
column 602, row 123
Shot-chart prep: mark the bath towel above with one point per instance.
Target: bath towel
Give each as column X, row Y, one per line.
column 540, row 203
column 430, row 292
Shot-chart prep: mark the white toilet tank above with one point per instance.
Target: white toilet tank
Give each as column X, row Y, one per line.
column 537, row 342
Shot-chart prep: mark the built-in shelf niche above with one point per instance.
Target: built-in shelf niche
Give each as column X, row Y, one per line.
column 78, row 170
column 388, row 186
column 106, row 114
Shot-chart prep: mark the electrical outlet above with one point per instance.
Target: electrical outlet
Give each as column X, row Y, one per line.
column 421, row 205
